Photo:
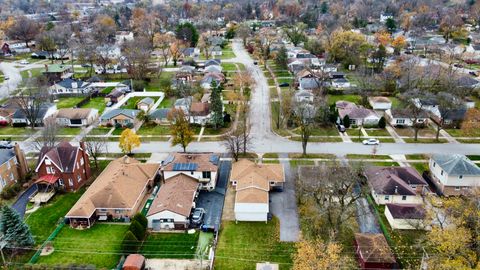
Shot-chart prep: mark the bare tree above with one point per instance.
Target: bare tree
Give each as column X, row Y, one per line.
column 415, row 109
column 137, row 55
column 243, row 31
column 332, row 191
column 31, row 101
column 49, row 135
column 304, row 115
column 162, row 42
column 95, row 145
column 24, row 29
column 237, row 141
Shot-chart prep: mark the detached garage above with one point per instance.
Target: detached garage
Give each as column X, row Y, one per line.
column 252, row 183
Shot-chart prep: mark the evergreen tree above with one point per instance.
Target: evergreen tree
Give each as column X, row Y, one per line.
column 282, row 60
column 382, row 123
column 188, row 33
column 129, row 243
column 324, row 8
column 217, row 106
column 140, row 218
column 137, row 229
column 391, row 25
column 15, row 232
column 346, row 121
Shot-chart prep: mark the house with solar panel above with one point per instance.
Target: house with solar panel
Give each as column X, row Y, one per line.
column 201, row 166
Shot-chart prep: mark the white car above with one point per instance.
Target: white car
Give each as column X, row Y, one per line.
column 24, row 62
column 371, row 142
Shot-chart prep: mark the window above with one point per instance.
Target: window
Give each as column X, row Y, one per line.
column 50, row 170
column 206, row 174
column 102, row 210
column 404, row 198
column 81, row 162
column 48, row 162
column 234, row 183
column 70, row 182
column 457, row 188
column 434, row 164
column 387, row 197
column 272, row 183
column 400, row 121
column 118, row 211
column 60, row 182
column 460, row 177
column 191, row 172
column 441, row 172
column 79, row 179
column 8, row 165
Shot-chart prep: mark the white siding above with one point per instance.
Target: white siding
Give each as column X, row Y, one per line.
column 196, row 174
column 251, row 211
column 452, row 180
column 166, row 215
column 403, row 224
column 381, row 199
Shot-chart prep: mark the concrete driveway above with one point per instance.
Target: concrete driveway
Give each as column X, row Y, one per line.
column 283, row 205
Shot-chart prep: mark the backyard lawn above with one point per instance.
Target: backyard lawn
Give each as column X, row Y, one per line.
column 69, row 102
column 96, row 103
column 170, row 245
column 43, row 221
column 332, row 99
column 100, row 245
column 244, row 244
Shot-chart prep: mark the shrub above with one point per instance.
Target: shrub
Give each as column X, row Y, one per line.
column 346, row 121
column 3, row 123
column 382, row 123
column 137, row 229
column 129, row 125
column 138, row 86
column 118, row 125
column 10, row 191
column 140, row 218
column 129, row 243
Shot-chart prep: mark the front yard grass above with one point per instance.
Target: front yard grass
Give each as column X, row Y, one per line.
column 6, row 131
column 460, row 133
column 229, row 67
column 69, row 102
column 358, row 156
column 420, row 167
column 96, row 103
column 425, row 140
column 69, row 131
column 100, row 245
column 321, row 131
column 154, row 129
column 43, row 221
column 377, row 132
column 170, row 245
column 239, row 248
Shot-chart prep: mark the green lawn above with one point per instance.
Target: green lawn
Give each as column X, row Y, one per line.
column 153, row 129
column 242, row 245
column 108, row 90
column 321, row 131
column 158, row 84
column 229, row 67
column 99, row 245
column 332, row 99
column 166, row 103
column 384, row 164
column 69, row 102
column 420, row 167
column 6, row 131
column 460, row 133
column 170, row 245
column 377, row 132
column 416, row 157
column 270, row 155
column 96, row 103
column 299, row 162
column 132, row 102
column 43, row 221
column 422, row 140
column 396, row 103
column 35, row 73
column 100, row 131
column 69, row 131
column 358, row 156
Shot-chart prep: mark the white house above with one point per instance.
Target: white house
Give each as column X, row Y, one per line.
column 201, row 166
column 385, row 16
column 44, row 112
column 173, row 203
column 404, row 117
column 70, row 86
column 402, row 185
column 341, row 83
column 454, row 174
column 358, row 115
column 145, row 104
column 76, row 117
column 252, row 183
column 405, row 216
column 303, row 96
column 380, row 103
column 183, row 104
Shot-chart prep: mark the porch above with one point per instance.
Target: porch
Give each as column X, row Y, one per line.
column 46, row 189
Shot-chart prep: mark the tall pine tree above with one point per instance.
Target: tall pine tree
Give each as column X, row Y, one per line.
column 15, row 232
column 217, row 105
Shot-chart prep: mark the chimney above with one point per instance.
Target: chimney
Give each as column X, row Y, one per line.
column 21, row 160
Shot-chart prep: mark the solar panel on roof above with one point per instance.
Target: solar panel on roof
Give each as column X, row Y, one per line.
column 185, row 166
column 214, row 159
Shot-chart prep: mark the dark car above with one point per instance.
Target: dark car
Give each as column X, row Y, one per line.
column 458, row 65
column 422, row 56
column 341, row 128
column 197, row 216
column 255, row 62
column 473, row 73
column 285, row 84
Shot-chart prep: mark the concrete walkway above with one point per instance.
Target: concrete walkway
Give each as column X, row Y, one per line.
column 394, row 134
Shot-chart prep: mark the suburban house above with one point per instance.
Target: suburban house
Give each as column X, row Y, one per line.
column 208, row 78
column 252, row 183
column 340, row 83
column 454, row 174
column 64, row 166
column 183, row 104
column 57, row 72
column 160, row 116
column 303, row 96
column 191, row 52
column 199, row 113
column 45, row 110
column 117, row 193
column 13, row 166
column 373, row 252
column 201, row 166
column 115, row 96
column 76, row 117
column 70, row 86
column 213, row 69
column 405, row 216
column 215, row 62
column 123, row 117
column 402, row 185
column 145, row 104
column 215, row 51
column 404, row 118
column 358, row 115
column 380, row 103
column 173, row 203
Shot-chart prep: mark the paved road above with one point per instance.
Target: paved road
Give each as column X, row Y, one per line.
column 284, row 205
column 8, row 69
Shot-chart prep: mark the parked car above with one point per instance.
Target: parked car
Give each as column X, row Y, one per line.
column 341, row 128
column 458, row 65
column 109, row 104
column 285, row 84
column 371, row 142
column 24, row 62
column 6, row 145
column 422, row 56
column 473, row 73
column 6, row 78
column 255, row 62
column 197, row 216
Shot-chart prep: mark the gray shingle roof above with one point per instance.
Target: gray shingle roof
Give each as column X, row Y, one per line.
column 160, row 114
column 127, row 112
column 6, row 155
column 456, row 164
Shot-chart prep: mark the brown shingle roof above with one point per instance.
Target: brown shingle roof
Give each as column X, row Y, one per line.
column 79, row 113
column 380, row 99
column 253, row 180
column 176, row 195
column 202, row 160
column 64, row 155
column 393, row 180
column 406, row 211
column 199, row 109
column 373, row 248
column 118, row 186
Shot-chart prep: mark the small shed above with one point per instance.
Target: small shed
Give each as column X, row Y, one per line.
column 134, row 262
column 145, row 104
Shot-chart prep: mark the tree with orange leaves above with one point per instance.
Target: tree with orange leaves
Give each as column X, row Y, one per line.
column 471, row 123
column 383, row 37
column 399, row 43
column 317, row 255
